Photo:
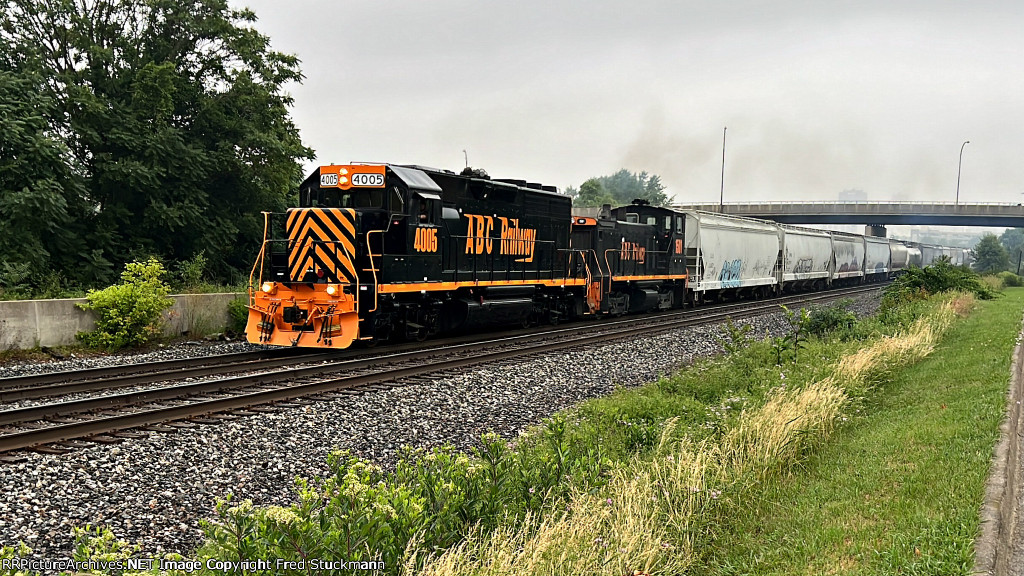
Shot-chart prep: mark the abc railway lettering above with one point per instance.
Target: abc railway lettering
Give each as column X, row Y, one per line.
column 514, row 241
column 632, row 251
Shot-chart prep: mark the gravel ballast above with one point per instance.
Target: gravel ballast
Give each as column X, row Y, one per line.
column 153, row 491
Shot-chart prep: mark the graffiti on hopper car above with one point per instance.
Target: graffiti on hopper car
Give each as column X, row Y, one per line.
column 730, row 274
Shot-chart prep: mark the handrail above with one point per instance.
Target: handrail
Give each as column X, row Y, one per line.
column 373, row 267
column 259, row 258
column 573, row 252
column 647, row 253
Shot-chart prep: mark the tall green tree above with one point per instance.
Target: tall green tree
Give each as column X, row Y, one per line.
column 989, row 255
column 1013, row 240
column 174, row 115
column 593, row 193
column 622, row 187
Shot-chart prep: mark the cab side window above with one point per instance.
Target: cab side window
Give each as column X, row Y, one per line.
column 425, row 211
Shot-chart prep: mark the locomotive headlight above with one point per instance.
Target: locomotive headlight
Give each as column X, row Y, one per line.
column 269, row 287
column 332, row 290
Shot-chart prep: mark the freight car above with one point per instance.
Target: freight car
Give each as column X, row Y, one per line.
column 380, row 251
column 730, row 255
column 808, row 260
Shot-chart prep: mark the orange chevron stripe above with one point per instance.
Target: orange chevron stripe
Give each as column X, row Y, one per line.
column 323, row 228
column 334, row 228
column 307, row 240
column 321, row 257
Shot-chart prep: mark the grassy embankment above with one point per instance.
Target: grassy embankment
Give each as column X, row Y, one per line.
column 693, row 507
column 707, row 471
column 899, row 489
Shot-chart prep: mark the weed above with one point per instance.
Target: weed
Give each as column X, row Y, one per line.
column 191, row 273
column 834, row 318
column 733, row 337
column 795, row 338
column 238, row 314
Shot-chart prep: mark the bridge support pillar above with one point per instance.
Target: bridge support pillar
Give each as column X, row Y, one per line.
column 875, row 230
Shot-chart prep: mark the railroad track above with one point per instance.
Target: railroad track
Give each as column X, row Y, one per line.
column 124, row 375
column 55, row 427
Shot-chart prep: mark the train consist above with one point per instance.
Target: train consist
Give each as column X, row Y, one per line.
column 379, row 252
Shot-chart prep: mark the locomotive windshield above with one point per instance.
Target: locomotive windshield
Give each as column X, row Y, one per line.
column 336, row 198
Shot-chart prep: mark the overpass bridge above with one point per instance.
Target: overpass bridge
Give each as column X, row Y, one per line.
column 873, row 213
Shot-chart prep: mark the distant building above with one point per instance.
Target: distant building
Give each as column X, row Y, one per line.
column 853, row 195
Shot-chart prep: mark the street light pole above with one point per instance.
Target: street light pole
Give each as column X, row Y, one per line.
column 961, row 163
column 721, row 192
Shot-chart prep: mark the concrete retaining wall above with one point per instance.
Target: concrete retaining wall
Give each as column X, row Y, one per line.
column 999, row 549
column 30, row 323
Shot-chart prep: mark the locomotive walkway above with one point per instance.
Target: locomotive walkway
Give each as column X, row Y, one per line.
column 877, row 213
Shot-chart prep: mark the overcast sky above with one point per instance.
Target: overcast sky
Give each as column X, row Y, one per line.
column 818, row 96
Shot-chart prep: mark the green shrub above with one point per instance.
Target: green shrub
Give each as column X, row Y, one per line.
column 190, row 274
column 21, row 282
column 941, row 276
column 430, row 501
column 129, row 313
column 829, row 319
column 238, row 314
column 1009, row 279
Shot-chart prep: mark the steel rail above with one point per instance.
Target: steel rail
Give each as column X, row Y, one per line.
column 181, row 365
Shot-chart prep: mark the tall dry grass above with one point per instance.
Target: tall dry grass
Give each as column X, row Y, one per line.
column 857, row 372
column 655, row 516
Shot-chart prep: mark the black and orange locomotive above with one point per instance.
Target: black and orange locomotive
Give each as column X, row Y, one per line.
column 376, row 252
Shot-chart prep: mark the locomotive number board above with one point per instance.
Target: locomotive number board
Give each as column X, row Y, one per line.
column 346, row 177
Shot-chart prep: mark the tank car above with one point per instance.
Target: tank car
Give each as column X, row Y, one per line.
column 899, row 257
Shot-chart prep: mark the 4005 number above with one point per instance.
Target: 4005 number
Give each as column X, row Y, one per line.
column 426, row 240
column 368, row 180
